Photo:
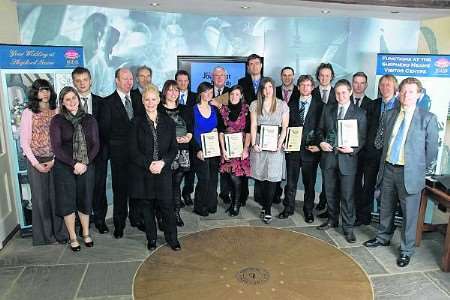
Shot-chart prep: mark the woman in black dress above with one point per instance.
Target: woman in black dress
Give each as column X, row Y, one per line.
column 152, row 148
column 75, row 141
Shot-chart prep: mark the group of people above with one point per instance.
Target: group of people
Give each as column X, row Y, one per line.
column 153, row 141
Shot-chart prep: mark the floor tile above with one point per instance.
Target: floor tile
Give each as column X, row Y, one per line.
column 312, row 231
column 441, row 279
column 7, row 278
column 366, row 260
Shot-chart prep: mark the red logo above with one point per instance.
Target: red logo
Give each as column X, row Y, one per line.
column 71, row 54
column 442, row 63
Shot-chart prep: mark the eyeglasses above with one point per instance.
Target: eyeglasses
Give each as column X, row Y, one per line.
column 44, row 89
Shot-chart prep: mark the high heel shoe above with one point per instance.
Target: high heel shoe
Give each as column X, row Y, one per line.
column 88, row 242
column 179, row 220
column 74, row 245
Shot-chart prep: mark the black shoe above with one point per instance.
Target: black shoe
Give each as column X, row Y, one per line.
column 375, row 243
column 267, row 219
column 201, row 213
column 118, row 233
column 187, row 199
column 309, row 217
column 88, row 242
column 233, row 210
column 175, row 245
column 350, row 237
column 179, row 221
column 74, row 245
column 102, row 227
column 327, row 225
column 151, row 245
column 359, row 222
column 403, row 260
column 212, row 210
column 225, row 198
column 323, row 215
column 321, row 206
column 285, row 214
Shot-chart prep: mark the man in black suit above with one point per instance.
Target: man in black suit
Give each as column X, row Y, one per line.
column 340, row 163
column 144, row 77
column 250, row 82
column 359, row 86
column 287, row 91
column 304, row 111
column 188, row 98
column 92, row 104
column 115, row 122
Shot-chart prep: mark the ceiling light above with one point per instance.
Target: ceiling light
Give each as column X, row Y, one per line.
column 154, row 4
column 325, row 11
column 245, row 7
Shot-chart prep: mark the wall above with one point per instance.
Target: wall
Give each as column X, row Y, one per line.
column 9, row 27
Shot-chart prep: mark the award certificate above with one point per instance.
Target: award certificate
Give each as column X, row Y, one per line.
column 348, row 133
column 234, row 144
column 293, row 139
column 210, row 144
column 268, row 138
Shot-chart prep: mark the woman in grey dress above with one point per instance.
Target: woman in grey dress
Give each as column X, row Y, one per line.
column 267, row 166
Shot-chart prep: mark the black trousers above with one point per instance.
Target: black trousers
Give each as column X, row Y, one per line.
column 166, row 208
column 264, row 192
column 100, row 202
column 365, row 181
column 206, row 188
column 189, row 178
column 119, row 174
column 225, row 186
column 177, row 178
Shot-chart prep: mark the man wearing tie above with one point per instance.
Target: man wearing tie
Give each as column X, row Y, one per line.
column 250, row 83
column 305, row 111
column 287, row 91
column 340, row 163
column 219, row 77
column 92, row 104
column 359, row 86
column 115, row 122
column 410, row 147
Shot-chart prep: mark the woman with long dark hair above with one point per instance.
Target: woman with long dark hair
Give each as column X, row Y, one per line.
column 267, row 166
column 182, row 116
column 235, row 119
column 35, row 142
column 75, row 140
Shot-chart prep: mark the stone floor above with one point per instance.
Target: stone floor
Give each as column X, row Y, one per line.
column 107, row 270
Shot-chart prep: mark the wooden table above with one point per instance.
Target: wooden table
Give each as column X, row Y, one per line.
column 443, row 199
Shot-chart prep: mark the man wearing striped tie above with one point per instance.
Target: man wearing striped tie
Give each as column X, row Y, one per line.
column 410, row 148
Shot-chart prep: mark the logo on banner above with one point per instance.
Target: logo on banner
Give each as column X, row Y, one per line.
column 72, row 56
column 442, row 65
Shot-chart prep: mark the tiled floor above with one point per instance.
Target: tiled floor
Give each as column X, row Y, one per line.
column 107, row 270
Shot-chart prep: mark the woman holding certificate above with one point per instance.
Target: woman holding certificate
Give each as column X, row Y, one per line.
column 152, row 148
column 182, row 117
column 234, row 139
column 269, row 121
column 205, row 145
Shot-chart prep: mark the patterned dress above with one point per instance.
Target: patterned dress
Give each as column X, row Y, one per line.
column 235, row 166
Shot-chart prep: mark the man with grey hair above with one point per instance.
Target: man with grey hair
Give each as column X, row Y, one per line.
column 144, row 77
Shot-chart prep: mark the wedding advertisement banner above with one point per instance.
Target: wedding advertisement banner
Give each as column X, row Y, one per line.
column 20, row 66
column 434, row 73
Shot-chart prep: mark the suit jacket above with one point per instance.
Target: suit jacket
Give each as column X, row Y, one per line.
column 373, row 111
column 364, row 103
column 136, row 99
column 347, row 162
column 225, row 90
column 421, row 147
column 331, row 95
column 311, row 124
column 295, row 93
column 142, row 184
column 191, row 98
column 97, row 102
column 247, row 85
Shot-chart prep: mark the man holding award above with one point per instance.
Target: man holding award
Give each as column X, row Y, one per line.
column 342, row 131
column 304, row 114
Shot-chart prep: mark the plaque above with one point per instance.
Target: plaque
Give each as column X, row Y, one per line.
column 348, row 133
column 210, row 144
column 293, row 139
column 268, row 138
column 234, row 145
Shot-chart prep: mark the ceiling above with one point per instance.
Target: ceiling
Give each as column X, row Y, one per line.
column 391, row 9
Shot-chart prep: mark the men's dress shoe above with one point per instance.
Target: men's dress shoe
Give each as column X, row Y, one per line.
column 375, row 243
column 175, row 245
column 151, row 245
column 187, row 199
column 323, row 215
column 201, row 213
column 102, row 228
column 225, row 198
column 327, row 225
column 321, row 206
column 350, row 237
column 403, row 260
column 285, row 214
column 361, row 222
column 309, row 217
column 212, row 210
column 118, row 233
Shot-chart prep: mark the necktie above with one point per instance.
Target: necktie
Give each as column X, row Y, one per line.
column 128, row 107
column 341, row 113
column 397, row 144
column 357, row 101
column 285, row 95
column 302, row 112
column 219, row 92
column 378, row 143
column 324, row 96
column 182, row 99
column 84, row 103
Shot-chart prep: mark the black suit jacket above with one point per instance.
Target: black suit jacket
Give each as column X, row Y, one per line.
column 295, row 93
column 191, row 98
column 136, row 99
column 97, row 103
column 373, row 112
column 311, row 124
column 247, row 85
column 347, row 163
column 142, row 184
column 364, row 103
column 331, row 95
column 225, row 90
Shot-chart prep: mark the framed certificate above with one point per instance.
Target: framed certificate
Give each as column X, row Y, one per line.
column 210, row 144
column 234, row 144
column 268, row 137
column 348, row 133
column 293, row 139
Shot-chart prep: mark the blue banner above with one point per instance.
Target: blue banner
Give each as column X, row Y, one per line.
column 413, row 65
column 40, row 57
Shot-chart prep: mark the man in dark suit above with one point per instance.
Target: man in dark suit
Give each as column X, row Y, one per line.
column 144, row 77
column 287, row 91
column 359, row 86
column 250, row 83
column 410, row 148
column 340, row 163
column 304, row 111
column 188, row 98
column 92, row 104
column 115, row 122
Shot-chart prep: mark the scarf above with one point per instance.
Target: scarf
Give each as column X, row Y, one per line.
column 79, row 140
column 235, row 110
